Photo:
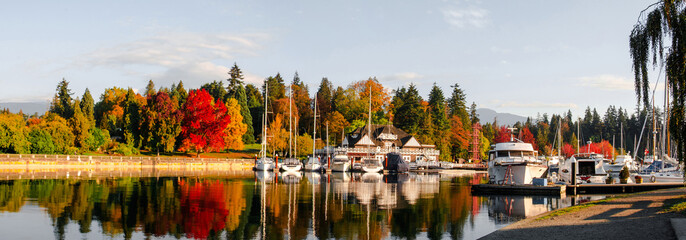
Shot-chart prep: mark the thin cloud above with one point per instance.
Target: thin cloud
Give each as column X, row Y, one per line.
column 171, row 57
column 512, row 104
column 406, row 76
column 606, row 82
column 463, row 17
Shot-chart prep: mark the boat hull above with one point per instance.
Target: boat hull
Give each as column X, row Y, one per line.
column 340, row 167
column 372, row 169
column 521, row 173
column 293, row 168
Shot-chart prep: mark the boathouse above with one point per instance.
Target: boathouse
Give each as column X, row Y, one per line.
column 384, row 139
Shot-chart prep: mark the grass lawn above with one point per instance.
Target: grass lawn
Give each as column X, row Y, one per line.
column 248, row 152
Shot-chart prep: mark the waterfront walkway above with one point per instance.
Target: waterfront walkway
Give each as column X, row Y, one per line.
column 637, row 216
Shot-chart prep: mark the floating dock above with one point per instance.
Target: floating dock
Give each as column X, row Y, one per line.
column 550, row 190
column 620, row 188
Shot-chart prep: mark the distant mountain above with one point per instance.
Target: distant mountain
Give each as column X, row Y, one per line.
column 487, row 115
column 26, row 107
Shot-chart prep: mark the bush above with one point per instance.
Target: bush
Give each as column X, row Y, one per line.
column 624, row 174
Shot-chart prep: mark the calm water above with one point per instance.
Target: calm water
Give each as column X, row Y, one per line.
column 261, row 206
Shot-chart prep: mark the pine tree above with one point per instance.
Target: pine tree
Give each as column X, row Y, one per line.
column 87, row 106
column 150, row 88
column 236, row 90
column 408, row 115
column 62, row 102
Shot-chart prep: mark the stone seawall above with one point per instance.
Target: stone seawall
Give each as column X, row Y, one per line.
column 79, row 166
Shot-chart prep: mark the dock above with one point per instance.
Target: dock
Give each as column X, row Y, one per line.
column 620, row 188
column 550, row 190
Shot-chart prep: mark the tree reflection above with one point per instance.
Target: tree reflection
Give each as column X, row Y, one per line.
column 202, row 208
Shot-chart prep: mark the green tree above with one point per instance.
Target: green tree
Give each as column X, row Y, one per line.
column 161, row 123
column 80, row 126
column 440, row 121
column 132, row 118
column 87, row 106
column 473, row 115
column 236, row 90
column 62, row 102
column 216, row 90
column 41, row 141
column 255, row 105
column 409, row 114
column 13, row 133
column 62, row 135
column 666, row 21
column 150, row 88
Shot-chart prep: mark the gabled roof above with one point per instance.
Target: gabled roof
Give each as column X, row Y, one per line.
column 358, row 136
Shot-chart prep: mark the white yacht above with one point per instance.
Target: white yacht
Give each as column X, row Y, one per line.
column 620, row 161
column 514, row 162
column 340, row 163
column 312, row 164
column 291, row 165
column 371, row 165
column 589, row 168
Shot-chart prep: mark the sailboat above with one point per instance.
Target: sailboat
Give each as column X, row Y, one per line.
column 291, row 164
column 370, row 164
column 313, row 163
column 264, row 163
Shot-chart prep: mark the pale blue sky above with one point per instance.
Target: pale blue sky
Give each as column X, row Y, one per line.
column 521, row 57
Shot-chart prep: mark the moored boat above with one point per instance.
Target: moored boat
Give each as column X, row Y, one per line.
column 514, row 162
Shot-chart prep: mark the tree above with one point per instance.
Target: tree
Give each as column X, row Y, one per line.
column 62, row 102
column 41, row 141
column 150, row 88
column 87, row 106
column 234, row 132
column 439, row 119
column 324, row 98
column 666, row 21
column 62, row 135
column 215, row 89
column 13, row 134
column 255, row 102
column 473, row 115
column 503, row 135
column 80, row 126
column 528, row 137
column 133, row 106
column 203, row 123
column 109, row 111
column 459, row 138
column 408, row 114
column 161, row 120
column 336, row 125
column 301, row 98
column 278, row 136
column 236, row 90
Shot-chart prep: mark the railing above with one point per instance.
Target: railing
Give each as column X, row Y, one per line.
column 86, row 158
column 380, row 150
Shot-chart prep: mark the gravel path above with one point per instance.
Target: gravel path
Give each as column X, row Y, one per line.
column 634, row 217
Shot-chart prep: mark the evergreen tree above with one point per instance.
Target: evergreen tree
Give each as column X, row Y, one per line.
column 409, row 114
column 215, row 89
column 440, row 122
column 150, row 88
column 255, row 105
column 80, row 126
column 179, row 93
column 62, row 102
column 324, row 95
column 473, row 115
column 132, row 119
column 87, row 106
column 236, row 90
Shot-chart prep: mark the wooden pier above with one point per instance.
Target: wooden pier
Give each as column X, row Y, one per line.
column 550, row 190
column 619, row 188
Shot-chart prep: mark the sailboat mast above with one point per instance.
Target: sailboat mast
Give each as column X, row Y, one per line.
column 369, row 122
column 290, row 121
column 578, row 133
column 264, row 121
column 314, row 123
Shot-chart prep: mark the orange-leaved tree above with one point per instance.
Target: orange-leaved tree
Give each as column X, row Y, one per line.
column 203, row 124
column 234, row 132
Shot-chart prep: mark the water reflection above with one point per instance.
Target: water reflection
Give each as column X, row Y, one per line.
column 268, row 205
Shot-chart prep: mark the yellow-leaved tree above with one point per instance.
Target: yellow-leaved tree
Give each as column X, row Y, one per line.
column 233, row 134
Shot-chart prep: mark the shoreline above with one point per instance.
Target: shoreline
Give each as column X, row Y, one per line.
column 636, row 216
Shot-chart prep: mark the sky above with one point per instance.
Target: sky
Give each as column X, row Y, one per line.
column 519, row 57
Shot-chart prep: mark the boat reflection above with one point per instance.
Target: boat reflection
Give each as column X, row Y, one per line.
column 268, row 206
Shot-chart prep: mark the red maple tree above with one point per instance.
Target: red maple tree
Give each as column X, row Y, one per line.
column 503, row 135
column 568, row 150
column 202, row 128
column 527, row 137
